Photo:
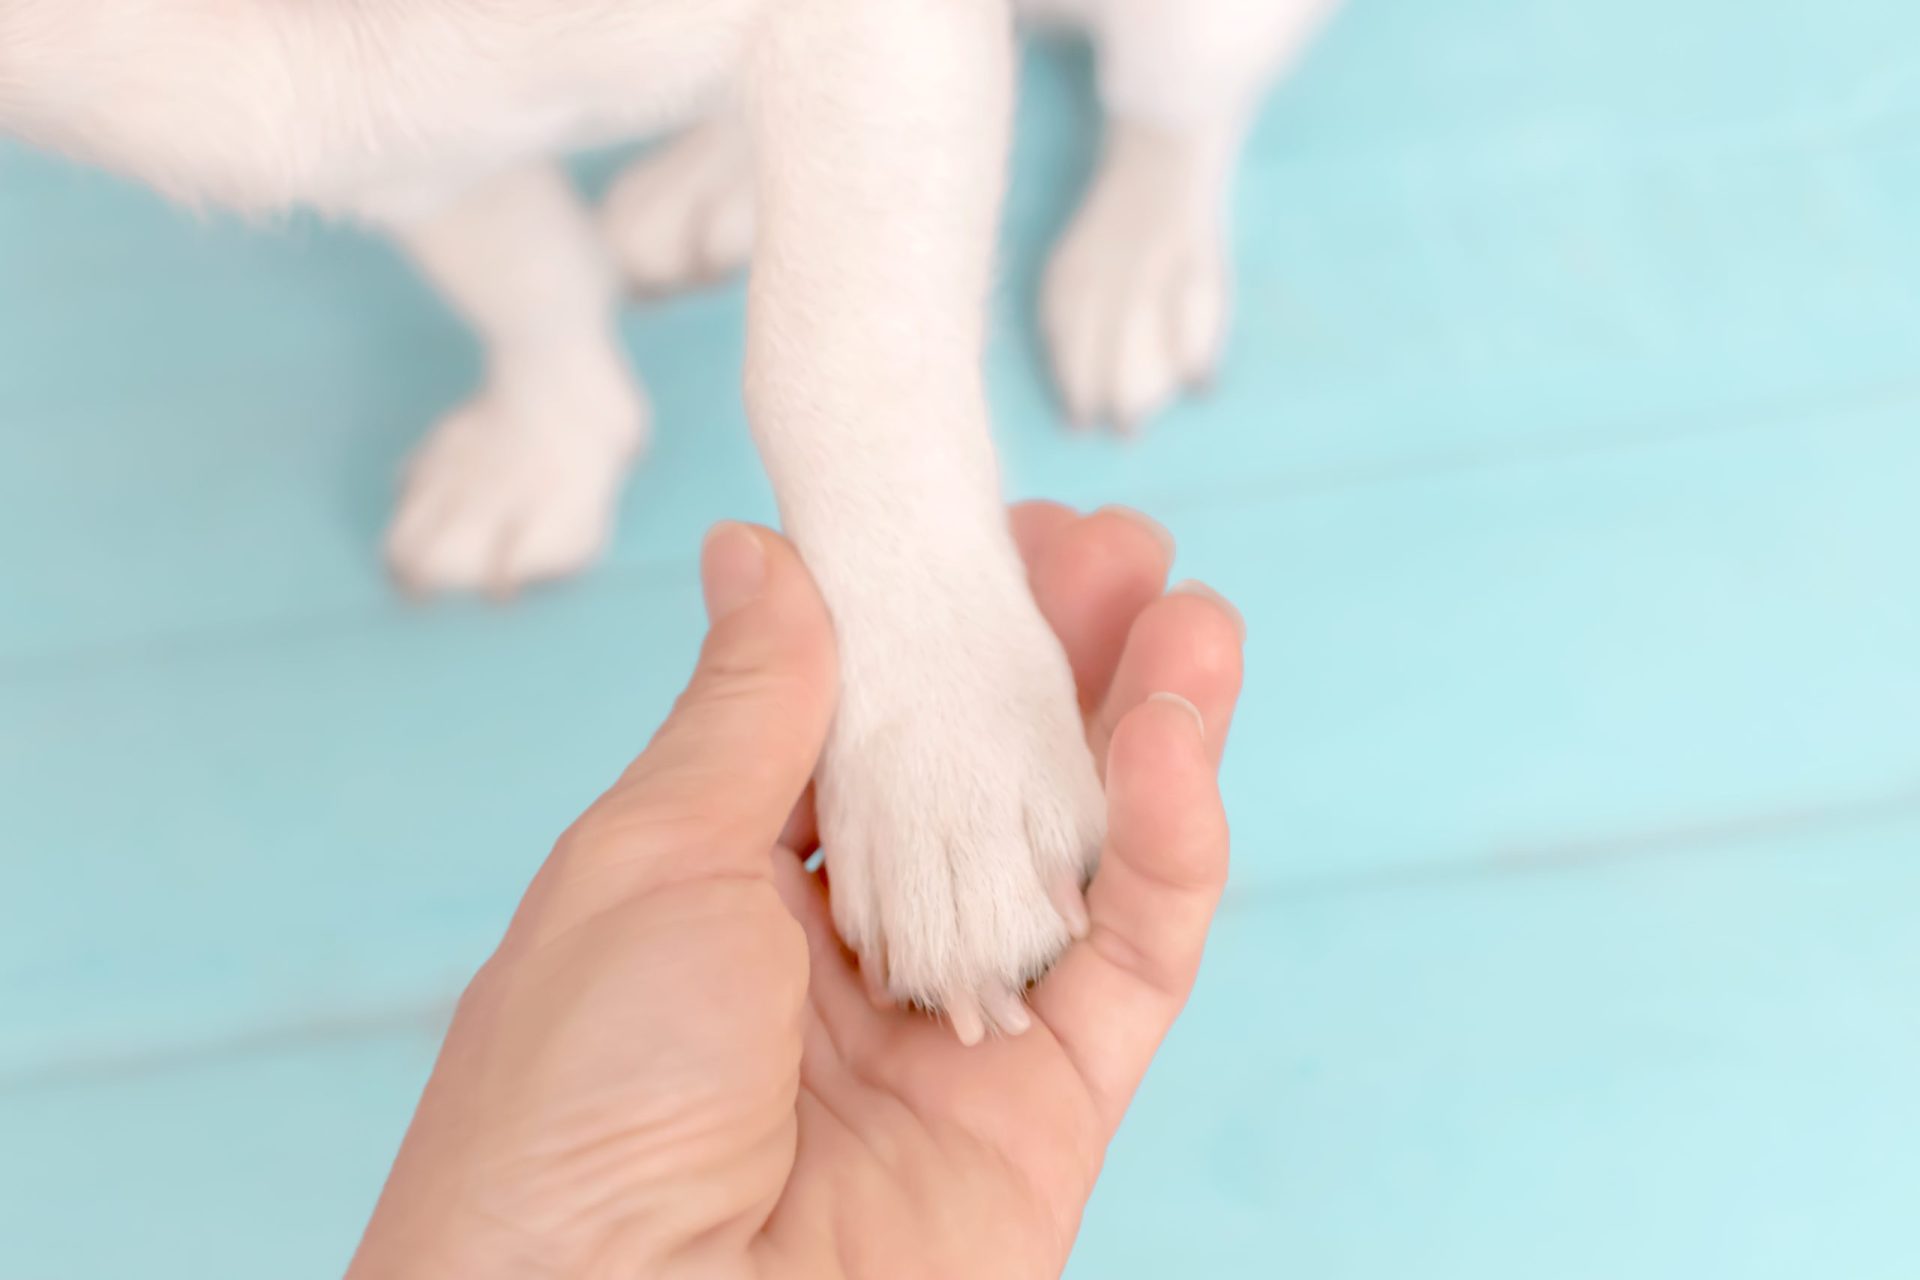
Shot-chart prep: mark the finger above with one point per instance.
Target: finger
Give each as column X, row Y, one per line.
column 1112, row 998
column 714, row 788
column 1092, row 580
column 835, row 986
column 1188, row 642
column 1035, row 524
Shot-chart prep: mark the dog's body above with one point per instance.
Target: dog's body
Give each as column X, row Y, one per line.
column 857, row 147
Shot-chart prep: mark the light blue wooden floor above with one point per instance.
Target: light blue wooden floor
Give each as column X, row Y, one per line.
column 1567, row 466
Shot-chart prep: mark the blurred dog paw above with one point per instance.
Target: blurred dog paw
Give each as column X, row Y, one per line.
column 1134, row 306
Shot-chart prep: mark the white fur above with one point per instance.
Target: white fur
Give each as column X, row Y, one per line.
column 858, row 148
column 956, row 785
column 1135, row 301
column 685, row 216
column 521, row 482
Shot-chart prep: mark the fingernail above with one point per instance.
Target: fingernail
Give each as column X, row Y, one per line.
column 1182, row 703
column 1194, row 587
column 733, row 567
column 1147, row 522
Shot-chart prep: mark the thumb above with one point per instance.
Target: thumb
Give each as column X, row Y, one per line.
column 712, row 791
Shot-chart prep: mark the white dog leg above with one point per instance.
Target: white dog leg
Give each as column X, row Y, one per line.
column 521, row 482
column 1136, row 298
column 957, row 798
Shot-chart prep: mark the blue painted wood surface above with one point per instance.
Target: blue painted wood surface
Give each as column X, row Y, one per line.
column 1565, row 467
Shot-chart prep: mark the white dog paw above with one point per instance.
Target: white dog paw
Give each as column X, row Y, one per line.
column 1134, row 306
column 683, row 215
column 499, row 497
column 961, row 817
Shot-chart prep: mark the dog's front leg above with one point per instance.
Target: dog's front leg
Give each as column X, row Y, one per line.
column 958, row 803
column 1137, row 295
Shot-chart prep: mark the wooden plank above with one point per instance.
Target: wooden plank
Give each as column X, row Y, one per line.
column 1461, row 237
column 264, row 1163
column 1694, row 1065
column 1683, row 1065
column 1529, row 661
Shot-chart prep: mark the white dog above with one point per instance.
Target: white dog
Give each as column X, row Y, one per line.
column 858, row 148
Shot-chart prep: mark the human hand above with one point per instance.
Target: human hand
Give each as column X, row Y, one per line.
column 670, row 1067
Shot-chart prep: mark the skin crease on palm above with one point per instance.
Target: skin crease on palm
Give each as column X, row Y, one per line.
column 671, row 1068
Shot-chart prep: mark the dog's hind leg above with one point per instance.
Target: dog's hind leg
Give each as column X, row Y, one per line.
column 521, row 482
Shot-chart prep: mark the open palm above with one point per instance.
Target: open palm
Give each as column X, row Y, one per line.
column 657, row 1074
